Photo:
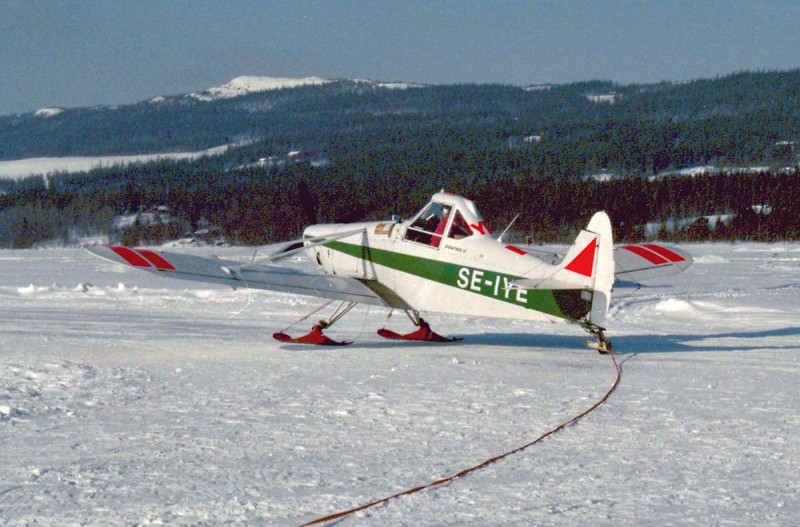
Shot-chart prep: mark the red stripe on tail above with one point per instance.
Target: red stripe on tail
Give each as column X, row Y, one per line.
column 666, row 253
column 646, row 253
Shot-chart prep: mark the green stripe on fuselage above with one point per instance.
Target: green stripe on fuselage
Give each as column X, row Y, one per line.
column 562, row 304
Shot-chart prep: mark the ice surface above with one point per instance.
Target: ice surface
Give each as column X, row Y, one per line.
column 127, row 399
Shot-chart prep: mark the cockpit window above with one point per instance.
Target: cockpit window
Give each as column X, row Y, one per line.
column 429, row 227
column 459, row 228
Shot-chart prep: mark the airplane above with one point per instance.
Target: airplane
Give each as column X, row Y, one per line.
column 445, row 260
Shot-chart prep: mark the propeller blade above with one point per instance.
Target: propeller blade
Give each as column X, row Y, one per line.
column 307, row 202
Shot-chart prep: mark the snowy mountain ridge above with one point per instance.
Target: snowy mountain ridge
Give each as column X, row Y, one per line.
column 47, row 112
column 245, row 85
column 249, row 84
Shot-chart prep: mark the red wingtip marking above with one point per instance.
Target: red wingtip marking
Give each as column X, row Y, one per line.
column 131, row 256
column 156, row 259
column 583, row 264
column 666, row 253
column 647, row 254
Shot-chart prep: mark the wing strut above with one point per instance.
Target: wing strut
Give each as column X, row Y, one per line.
column 310, row 243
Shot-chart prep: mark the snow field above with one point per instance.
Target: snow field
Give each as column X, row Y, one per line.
column 128, row 399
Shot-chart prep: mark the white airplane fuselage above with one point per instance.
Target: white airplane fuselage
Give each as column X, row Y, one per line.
column 449, row 273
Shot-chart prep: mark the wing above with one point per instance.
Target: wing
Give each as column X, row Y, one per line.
column 236, row 274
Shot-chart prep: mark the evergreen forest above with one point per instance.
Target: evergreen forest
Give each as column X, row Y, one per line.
column 351, row 150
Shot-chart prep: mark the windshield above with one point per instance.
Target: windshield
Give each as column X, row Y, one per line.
column 436, row 221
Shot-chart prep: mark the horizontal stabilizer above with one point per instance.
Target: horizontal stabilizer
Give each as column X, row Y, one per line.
column 633, row 262
column 647, row 261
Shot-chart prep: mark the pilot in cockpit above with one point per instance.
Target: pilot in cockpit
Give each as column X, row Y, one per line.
column 429, row 228
column 438, row 231
column 459, row 229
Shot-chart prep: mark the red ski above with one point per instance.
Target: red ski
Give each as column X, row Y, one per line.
column 424, row 333
column 315, row 337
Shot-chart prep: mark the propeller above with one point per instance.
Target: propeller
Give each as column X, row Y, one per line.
column 354, row 214
column 355, row 211
column 307, row 202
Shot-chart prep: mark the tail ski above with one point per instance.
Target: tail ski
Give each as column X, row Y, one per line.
column 588, row 264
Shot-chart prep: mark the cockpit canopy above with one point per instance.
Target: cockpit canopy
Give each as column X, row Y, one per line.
column 446, row 216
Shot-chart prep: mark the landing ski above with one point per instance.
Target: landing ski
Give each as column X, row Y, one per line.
column 316, row 337
column 423, row 334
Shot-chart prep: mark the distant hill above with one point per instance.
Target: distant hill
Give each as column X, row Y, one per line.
column 366, row 149
column 745, row 118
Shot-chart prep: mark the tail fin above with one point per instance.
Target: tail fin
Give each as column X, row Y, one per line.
column 588, row 267
column 603, row 270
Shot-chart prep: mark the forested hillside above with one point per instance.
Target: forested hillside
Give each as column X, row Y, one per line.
column 369, row 152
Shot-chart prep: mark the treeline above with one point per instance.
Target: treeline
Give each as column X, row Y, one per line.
column 259, row 205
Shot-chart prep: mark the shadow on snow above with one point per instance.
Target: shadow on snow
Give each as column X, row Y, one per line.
column 623, row 344
column 634, row 344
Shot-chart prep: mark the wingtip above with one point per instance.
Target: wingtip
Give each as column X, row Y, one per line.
column 140, row 258
column 102, row 251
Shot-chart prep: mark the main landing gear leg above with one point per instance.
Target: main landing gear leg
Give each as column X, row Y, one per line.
column 603, row 345
column 316, row 336
column 424, row 333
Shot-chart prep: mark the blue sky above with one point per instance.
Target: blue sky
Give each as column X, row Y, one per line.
column 81, row 53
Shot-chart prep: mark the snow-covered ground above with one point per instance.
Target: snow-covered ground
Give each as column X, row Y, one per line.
column 141, row 401
column 22, row 168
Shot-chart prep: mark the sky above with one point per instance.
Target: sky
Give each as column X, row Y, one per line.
column 73, row 53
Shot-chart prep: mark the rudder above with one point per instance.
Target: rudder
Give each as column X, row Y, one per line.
column 591, row 259
column 586, row 270
column 600, row 224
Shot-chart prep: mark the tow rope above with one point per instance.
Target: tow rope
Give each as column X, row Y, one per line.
column 484, row 464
